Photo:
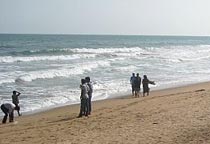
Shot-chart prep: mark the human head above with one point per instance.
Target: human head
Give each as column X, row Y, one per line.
column 14, row 92
column 83, row 81
column 137, row 74
column 87, row 79
column 145, row 76
column 133, row 74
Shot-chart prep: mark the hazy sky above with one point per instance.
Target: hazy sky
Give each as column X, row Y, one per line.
column 139, row 17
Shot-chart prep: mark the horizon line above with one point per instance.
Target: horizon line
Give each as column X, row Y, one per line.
column 86, row 34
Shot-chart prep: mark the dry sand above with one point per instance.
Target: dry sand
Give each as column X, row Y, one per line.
column 177, row 115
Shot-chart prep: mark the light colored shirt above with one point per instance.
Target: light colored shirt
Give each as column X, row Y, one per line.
column 84, row 91
column 132, row 79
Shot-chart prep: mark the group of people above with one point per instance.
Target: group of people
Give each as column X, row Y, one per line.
column 136, row 81
column 8, row 108
column 85, row 97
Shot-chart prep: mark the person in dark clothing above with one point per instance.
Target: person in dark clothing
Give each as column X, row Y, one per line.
column 146, row 83
column 137, row 85
column 84, row 110
column 15, row 100
column 8, row 109
column 90, row 93
column 132, row 79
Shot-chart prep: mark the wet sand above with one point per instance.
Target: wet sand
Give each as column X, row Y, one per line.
column 176, row 115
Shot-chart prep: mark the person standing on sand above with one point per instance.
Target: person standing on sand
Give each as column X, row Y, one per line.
column 90, row 93
column 145, row 83
column 8, row 109
column 137, row 85
column 132, row 79
column 84, row 110
column 15, row 100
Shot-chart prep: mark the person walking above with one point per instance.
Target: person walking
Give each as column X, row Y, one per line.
column 90, row 93
column 8, row 109
column 15, row 100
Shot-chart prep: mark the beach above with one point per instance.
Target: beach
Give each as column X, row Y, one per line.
column 175, row 115
column 47, row 69
column 57, row 56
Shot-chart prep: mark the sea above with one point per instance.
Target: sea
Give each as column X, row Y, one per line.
column 47, row 69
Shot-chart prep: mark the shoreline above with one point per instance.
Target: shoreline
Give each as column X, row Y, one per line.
column 116, row 96
column 172, row 115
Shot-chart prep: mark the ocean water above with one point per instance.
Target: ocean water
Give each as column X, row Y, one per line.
column 47, row 69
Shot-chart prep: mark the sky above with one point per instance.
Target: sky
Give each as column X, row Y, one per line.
column 121, row 17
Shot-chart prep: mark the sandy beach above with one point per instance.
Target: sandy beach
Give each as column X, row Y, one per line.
column 176, row 115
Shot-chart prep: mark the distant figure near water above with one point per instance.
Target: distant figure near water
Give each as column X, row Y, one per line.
column 15, row 100
column 84, row 107
column 137, row 85
column 146, row 83
column 90, row 92
column 132, row 79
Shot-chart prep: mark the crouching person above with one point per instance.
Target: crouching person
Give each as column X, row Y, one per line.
column 8, row 109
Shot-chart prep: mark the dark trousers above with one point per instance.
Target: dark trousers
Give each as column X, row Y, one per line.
column 133, row 88
column 5, row 111
column 90, row 107
column 84, row 107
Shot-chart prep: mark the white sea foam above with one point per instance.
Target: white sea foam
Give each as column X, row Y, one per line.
column 10, row 59
column 107, row 50
column 105, row 89
column 62, row 72
column 8, row 77
column 172, row 53
column 177, row 54
column 125, row 69
column 2, row 81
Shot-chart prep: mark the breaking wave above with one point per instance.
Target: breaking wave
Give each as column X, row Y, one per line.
column 62, row 72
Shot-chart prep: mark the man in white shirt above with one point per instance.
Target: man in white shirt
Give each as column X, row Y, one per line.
column 8, row 109
column 84, row 110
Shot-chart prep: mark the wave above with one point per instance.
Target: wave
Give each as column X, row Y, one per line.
column 107, row 50
column 6, row 46
column 7, row 81
column 179, row 54
column 63, row 72
column 79, row 50
column 167, row 52
column 10, row 59
column 171, row 53
column 42, row 52
column 124, row 69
